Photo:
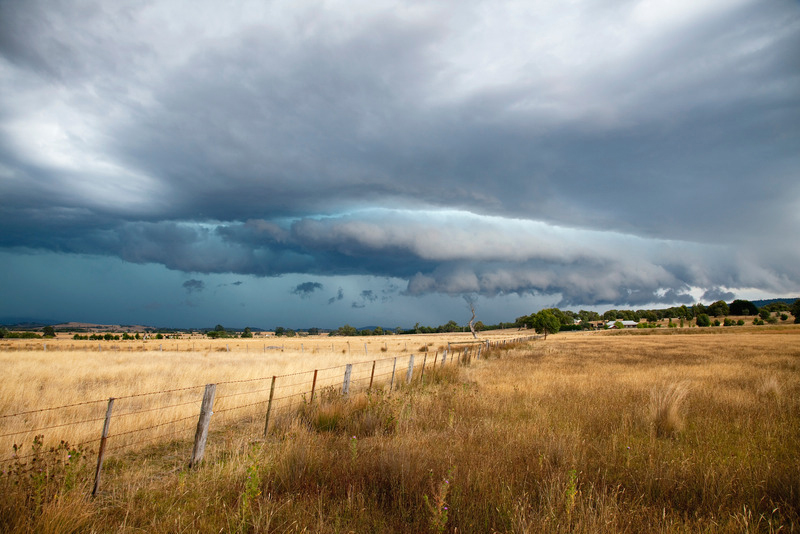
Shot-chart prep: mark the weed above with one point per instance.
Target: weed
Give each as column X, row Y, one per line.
column 437, row 503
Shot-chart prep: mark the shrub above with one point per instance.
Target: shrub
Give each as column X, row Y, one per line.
column 703, row 320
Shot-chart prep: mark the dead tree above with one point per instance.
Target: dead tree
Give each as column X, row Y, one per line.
column 471, row 303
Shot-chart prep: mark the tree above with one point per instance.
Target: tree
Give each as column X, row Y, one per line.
column 703, row 320
column 247, row 332
column 718, row 309
column 545, row 322
column 48, row 331
column 743, row 307
column 796, row 311
column 280, row 331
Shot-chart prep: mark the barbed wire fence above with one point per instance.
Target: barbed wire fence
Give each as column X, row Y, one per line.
column 134, row 421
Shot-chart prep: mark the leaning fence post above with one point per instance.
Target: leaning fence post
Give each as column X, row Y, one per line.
column 313, row 386
column 372, row 375
column 269, row 405
column 410, row 371
column 346, row 381
column 102, row 452
column 201, row 435
column 422, row 376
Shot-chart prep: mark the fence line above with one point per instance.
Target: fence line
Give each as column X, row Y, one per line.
column 342, row 379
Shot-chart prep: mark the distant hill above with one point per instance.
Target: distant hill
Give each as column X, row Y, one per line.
column 763, row 302
column 24, row 323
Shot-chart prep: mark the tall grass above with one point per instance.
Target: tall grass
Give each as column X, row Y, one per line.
column 550, row 436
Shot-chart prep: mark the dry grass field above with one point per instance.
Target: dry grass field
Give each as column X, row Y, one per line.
column 635, row 431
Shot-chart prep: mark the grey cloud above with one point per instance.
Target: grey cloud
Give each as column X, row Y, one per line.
column 194, row 285
column 715, row 293
column 339, row 296
column 638, row 173
column 305, row 289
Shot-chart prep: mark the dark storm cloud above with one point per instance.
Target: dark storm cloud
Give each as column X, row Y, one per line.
column 715, row 294
column 339, row 296
column 305, row 289
column 194, row 285
column 622, row 153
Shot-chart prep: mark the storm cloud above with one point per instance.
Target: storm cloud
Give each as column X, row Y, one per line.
column 601, row 153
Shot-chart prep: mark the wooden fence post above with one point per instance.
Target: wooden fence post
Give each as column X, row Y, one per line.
column 346, row 381
column 201, row 435
column 410, row 371
column 422, row 376
column 372, row 375
column 394, row 367
column 313, row 386
column 269, row 406
column 102, row 452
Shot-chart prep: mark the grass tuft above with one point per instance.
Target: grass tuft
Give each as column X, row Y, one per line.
column 665, row 408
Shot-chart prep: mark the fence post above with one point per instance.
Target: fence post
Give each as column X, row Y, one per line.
column 365, row 350
column 102, row 452
column 444, row 357
column 422, row 376
column 410, row 371
column 269, row 406
column 394, row 367
column 313, row 386
column 346, row 381
column 201, row 435
column 372, row 375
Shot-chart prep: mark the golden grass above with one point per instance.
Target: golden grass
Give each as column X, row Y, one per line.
column 83, row 380
column 549, row 436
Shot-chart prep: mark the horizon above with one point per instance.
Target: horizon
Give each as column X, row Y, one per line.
column 37, row 322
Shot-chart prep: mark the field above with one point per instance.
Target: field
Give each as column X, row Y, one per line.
column 634, row 431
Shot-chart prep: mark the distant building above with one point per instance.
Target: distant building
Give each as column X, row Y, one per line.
column 625, row 324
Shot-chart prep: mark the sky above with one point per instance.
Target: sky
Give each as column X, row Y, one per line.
column 320, row 163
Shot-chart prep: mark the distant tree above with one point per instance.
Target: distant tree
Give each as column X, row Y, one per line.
column 471, row 305
column 776, row 306
column 610, row 315
column 718, row 309
column 703, row 320
column 279, row 331
column 795, row 310
column 743, row 307
column 49, row 331
column 764, row 313
column 545, row 322
column 219, row 328
column 247, row 332
column 3, row 333
column 347, row 330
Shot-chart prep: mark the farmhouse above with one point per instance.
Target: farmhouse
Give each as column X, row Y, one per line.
column 625, row 324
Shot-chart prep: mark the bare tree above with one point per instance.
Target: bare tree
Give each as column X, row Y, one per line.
column 471, row 300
